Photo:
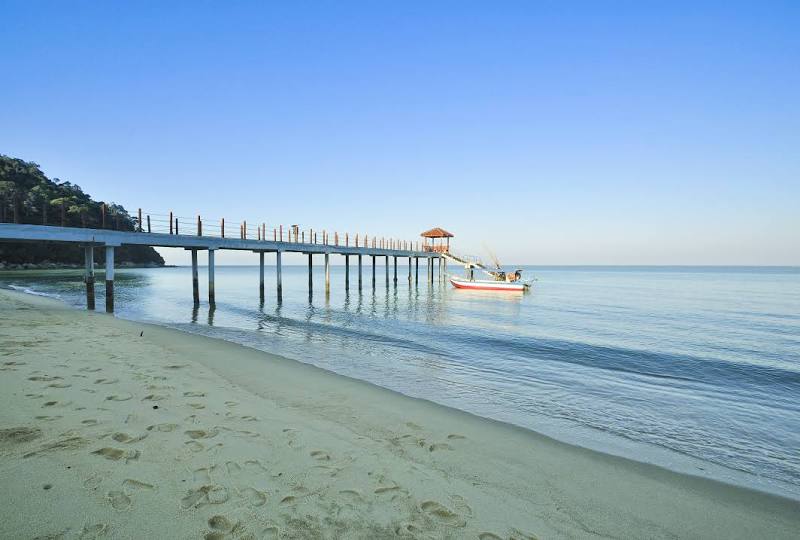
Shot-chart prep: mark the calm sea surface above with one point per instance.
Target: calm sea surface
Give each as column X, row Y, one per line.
column 695, row 369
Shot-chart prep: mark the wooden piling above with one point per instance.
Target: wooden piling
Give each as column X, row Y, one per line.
column 347, row 272
column 195, row 281
column 261, row 275
column 386, row 268
column 359, row 272
column 211, row 293
column 310, row 274
column 395, row 270
column 88, row 253
column 327, row 274
column 109, row 279
column 409, row 270
column 373, row 272
column 416, row 269
column 278, row 275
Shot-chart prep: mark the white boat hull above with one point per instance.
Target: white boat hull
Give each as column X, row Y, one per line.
column 489, row 285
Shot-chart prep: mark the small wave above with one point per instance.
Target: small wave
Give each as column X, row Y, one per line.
column 28, row 290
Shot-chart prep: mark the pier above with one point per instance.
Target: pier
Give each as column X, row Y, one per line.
column 203, row 236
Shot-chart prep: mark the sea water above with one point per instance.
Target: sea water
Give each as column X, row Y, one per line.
column 694, row 369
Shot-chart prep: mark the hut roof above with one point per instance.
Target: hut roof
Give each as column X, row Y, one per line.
column 436, row 232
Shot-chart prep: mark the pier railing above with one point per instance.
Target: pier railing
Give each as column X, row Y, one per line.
column 171, row 223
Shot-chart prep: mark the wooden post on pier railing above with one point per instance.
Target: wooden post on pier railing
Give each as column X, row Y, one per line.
column 176, row 226
column 258, row 233
column 170, row 223
column 140, row 220
column 263, row 231
column 244, row 229
column 347, row 239
column 199, row 227
column 280, row 228
column 274, row 235
column 148, row 223
column 303, row 237
column 103, row 215
column 336, row 238
column 222, row 227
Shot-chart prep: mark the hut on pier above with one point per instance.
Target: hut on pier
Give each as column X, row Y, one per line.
column 430, row 240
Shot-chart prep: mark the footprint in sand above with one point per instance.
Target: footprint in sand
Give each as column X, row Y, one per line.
column 90, row 422
column 253, row 496
column 319, row 455
column 196, row 405
column 130, row 485
column 194, row 394
column 106, row 381
column 488, row 536
column 455, row 436
column 92, row 532
column 442, row 514
column 202, row 433
column 164, row 428
column 118, row 500
column 128, row 439
column 352, row 494
column 59, row 385
column 121, row 397
column 194, row 446
column 115, row 454
column 439, row 446
column 204, row 495
column 90, row 370
column 43, row 378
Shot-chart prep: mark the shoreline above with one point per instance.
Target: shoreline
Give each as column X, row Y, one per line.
column 414, row 466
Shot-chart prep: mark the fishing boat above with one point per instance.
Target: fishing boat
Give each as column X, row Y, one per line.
column 500, row 279
column 489, row 284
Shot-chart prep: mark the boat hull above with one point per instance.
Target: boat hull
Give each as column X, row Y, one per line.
column 486, row 285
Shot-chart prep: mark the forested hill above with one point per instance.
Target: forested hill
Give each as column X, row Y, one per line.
column 28, row 196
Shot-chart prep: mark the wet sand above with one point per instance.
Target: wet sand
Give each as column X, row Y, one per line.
column 115, row 429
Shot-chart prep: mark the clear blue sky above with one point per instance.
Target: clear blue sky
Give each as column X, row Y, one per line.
column 556, row 132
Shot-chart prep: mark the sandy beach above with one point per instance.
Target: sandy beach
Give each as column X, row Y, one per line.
column 115, row 429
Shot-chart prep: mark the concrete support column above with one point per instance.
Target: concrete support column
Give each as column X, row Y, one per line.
column 211, row 298
column 195, row 282
column 327, row 273
column 88, row 253
column 261, row 275
column 310, row 274
column 278, row 275
column 386, row 267
column 347, row 272
column 395, row 270
column 109, row 279
column 359, row 272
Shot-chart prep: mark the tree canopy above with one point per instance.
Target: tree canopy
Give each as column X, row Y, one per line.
column 28, row 196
